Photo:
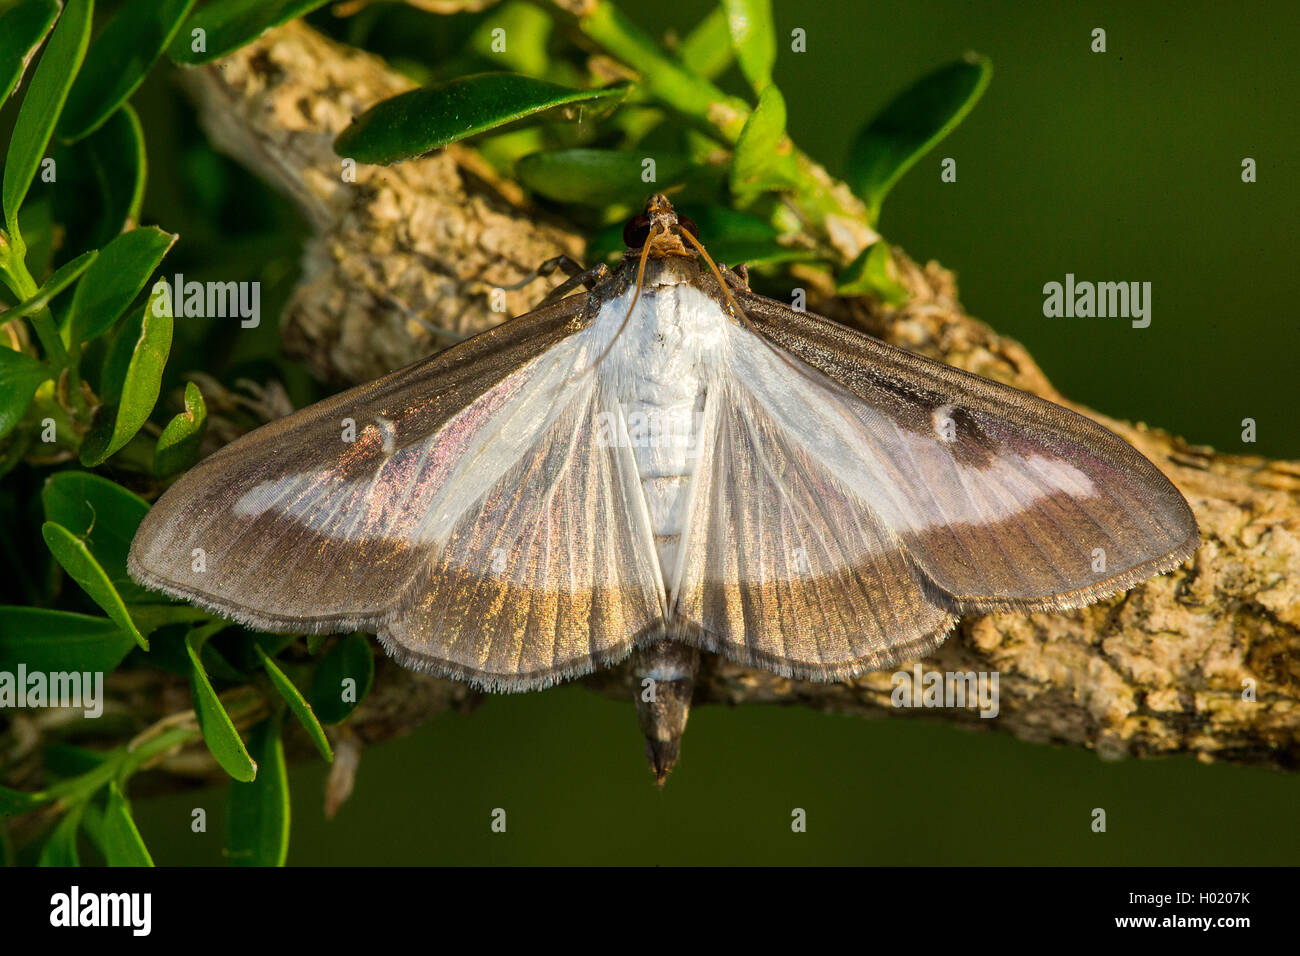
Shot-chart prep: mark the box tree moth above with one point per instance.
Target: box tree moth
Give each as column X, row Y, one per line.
column 663, row 464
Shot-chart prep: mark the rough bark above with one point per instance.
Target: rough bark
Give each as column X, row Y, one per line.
column 1201, row 660
column 404, row 259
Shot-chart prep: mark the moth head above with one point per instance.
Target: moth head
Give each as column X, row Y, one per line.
column 661, row 228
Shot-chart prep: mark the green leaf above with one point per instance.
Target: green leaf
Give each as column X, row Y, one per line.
column 132, row 378
column 118, row 159
column 40, row 231
column 61, row 847
column 707, row 49
column 419, row 121
column 599, row 177
column 123, row 845
column 763, row 157
column 227, row 25
column 71, row 552
column 101, row 181
column 218, row 729
column 273, row 644
column 14, row 802
column 61, row 278
column 20, row 375
column 22, row 28
column 735, row 237
column 872, row 273
column 342, row 678
column 297, row 703
column 104, row 515
column 178, row 445
column 912, row 124
column 149, row 617
column 120, row 272
column 257, row 819
column 43, row 103
column 92, row 824
column 69, row 760
column 754, row 38
column 118, row 60
column 216, row 665
column 527, row 35
column 48, row 640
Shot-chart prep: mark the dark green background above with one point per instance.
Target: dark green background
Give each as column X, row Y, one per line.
column 1117, row 166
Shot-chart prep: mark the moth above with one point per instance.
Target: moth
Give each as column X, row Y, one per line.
column 660, row 464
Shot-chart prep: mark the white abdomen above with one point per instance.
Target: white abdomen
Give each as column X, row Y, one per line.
column 660, row 366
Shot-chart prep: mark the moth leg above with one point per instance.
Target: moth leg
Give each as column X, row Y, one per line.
column 569, row 266
column 587, row 278
column 737, row 277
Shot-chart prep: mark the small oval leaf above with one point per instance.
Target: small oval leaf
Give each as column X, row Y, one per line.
column 131, row 381
column 60, row 848
column 527, row 30
column 754, row 38
column 600, row 177
column 121, row 55
column 914, row 122
column 342, row 678
column 149, row 617
column 101, row 180
column 116, row 278
column 20, row 375
column 871, row 273
column 763, row 159
column 178, row 445
column 71, row 552
column 123, row 845
column 420, row 121
column 60, row 640
column 42, row 105
column 117, row 149
column 14, row 802
column 735, row 238
column 707, row 49
column 223, row 26
column 218, row 729
column 22, row 28
column 257, row 819
column 297, row 703
column 59, row 280
column 104, row 515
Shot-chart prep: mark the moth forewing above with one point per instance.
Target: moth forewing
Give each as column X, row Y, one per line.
column 317, row 522
column 1010, row 508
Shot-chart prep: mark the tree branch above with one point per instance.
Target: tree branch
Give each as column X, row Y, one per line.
column 1158, row 670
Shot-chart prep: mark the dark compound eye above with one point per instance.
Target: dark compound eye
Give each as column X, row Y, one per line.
column 637, row 231
column 689, row 225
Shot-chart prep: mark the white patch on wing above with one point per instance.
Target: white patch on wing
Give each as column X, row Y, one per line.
column 419, row 491
column 945, row 428
column 913, row 481
column 388, row 431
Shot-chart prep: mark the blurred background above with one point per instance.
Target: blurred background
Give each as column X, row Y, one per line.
column 1122, row 166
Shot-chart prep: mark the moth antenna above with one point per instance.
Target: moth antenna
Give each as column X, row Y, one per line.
column 744, row 318
column 640, row 279
column 722, row 283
